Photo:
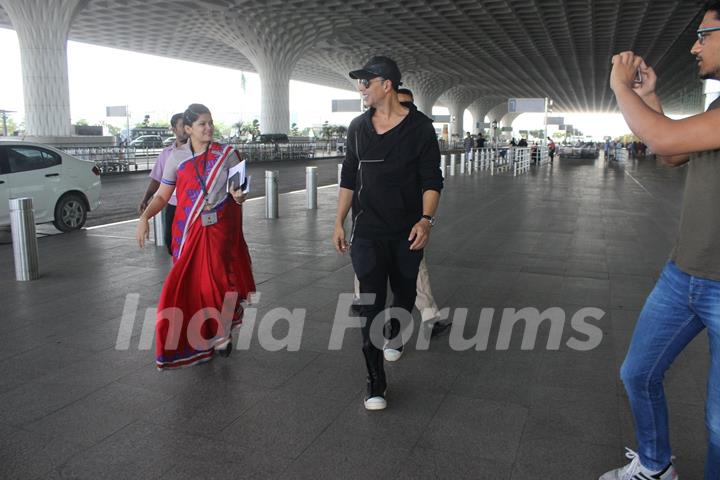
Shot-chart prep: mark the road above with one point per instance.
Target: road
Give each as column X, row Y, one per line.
column 121, row 193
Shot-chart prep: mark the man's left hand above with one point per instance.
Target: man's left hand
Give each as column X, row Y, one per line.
column 624, row 70
column 419, row 235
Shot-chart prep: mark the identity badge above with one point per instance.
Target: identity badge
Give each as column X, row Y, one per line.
column 208, row 218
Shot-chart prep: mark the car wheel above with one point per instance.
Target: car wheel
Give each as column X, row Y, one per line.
column 70, row 213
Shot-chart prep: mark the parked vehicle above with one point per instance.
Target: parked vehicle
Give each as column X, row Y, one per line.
column 168, row 141
column 147, row 141
column 580, row 149
column 63, row 188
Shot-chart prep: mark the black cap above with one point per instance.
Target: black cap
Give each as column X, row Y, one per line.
column 379, row 67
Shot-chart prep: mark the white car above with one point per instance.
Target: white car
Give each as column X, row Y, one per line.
column 63, row 188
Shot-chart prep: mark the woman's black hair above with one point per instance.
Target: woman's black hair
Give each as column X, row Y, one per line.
column 193, row 112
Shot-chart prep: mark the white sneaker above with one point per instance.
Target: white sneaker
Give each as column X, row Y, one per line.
column 375, row 403
column 392, row 354
column 635, row 471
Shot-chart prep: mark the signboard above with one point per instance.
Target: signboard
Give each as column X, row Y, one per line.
column 523, row 105
column 555, row 120
column 116, row 111
column 565, row 127
column 483, row 125
column 346, row 106
column 441, row 118
column 506, row 129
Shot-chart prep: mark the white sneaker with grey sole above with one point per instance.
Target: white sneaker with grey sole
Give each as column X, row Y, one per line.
column 635, row 471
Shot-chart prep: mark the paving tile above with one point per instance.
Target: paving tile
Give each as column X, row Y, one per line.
column 475, row 427
column 423, row 463
column 99, row 414
column 338, row 455
column 25, row 454
column 283, row 424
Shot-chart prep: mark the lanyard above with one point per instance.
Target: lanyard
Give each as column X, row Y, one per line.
column 199, row 177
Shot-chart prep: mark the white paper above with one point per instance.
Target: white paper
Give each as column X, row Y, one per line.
column 237, row 169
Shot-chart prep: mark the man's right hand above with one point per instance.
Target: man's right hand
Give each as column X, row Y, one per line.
column 339, row 239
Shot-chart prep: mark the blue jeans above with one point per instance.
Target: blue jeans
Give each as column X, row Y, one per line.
column 679, row 307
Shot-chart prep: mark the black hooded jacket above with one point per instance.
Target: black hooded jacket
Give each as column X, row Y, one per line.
column 388, row 173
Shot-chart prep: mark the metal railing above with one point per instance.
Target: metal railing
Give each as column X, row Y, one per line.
column 115, row 159
column 280, row 151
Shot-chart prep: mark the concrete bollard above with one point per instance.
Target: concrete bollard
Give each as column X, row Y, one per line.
column 339, row 173
column 443, row 164
column 463, row 161
column 311, row 179
column 25, row 249
column 271, row 194
column 159, row 228
column 453, row 158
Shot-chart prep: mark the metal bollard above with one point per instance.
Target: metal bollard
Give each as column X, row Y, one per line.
column 476, row 162
column 339, row 173
column 25, row 249
column 443, row 164
column 159, row 228
column 311, row 187
column 271, row 194
column 463, row 160
column 452, row 164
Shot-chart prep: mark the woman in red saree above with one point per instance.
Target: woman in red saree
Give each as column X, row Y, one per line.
column 211, row 275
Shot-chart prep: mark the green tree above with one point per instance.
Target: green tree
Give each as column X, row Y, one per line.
column 294, row 131
column 11, row 125
column 82, row 122
column 249, row 128
column 221, row 130
column 112, row 129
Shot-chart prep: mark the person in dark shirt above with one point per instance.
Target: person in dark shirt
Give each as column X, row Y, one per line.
column 391, row 178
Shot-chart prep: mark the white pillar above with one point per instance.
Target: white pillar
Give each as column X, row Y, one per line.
column 456, row 126
column 424, row 103
column 274, row 98
column 42, row 28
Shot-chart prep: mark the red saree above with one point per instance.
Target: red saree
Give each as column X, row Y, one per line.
column 211, row 273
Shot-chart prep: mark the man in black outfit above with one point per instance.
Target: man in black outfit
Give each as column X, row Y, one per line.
column 391, row 178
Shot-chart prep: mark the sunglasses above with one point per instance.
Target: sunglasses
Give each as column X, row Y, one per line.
column 704, row 32
column 365, row 82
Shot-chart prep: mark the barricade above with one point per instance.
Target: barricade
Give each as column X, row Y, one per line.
column 271, row 194
column 453, row 158
column 520, row 160
column 24, row 242
column 311, row 179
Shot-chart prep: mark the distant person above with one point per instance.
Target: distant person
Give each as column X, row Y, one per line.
column 468, row 143
column 522, row 143
column 551, row 149
column 685, row 300
column 178, row 129
column 211, row 258
column 480, row 142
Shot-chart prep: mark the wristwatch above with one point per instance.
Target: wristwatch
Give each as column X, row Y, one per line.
column 430, row 219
